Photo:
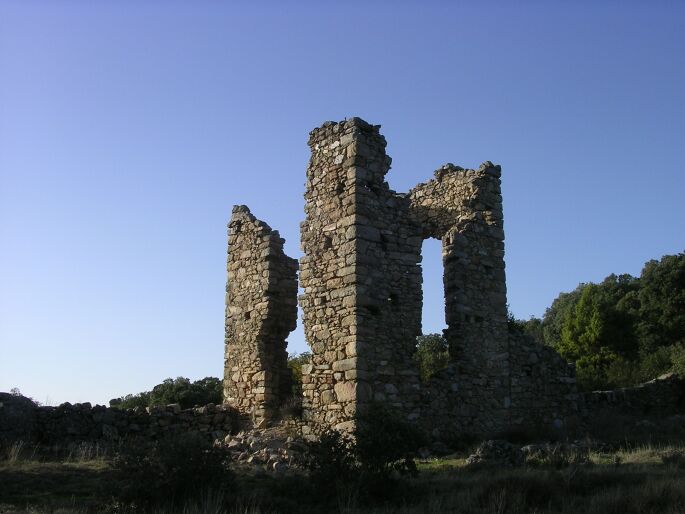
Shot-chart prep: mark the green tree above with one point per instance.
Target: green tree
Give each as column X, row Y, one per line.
column 432, row 355
column 534, row 328
column 555, row 315
column 179, row 390
column 661, row 303
column 595, row 333
column 678, row 359
column 531, row 327
column 624, row 330
column 295, row 363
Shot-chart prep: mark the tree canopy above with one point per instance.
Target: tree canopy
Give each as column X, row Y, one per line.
column 622, row 331
column 179, row 390
column 432, row 355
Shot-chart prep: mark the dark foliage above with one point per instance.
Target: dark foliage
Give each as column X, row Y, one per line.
column 367, row 466
column 386, row 442
column 169, row 471
column 332, row 458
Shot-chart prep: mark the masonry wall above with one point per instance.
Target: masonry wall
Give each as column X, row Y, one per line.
column 362, row 299
column 328, row 277
column 663, row 396
column 463, row 208
column 387, row 245
column 261, row 310
column 362, row 281
column 543, row 387
column 21, row 419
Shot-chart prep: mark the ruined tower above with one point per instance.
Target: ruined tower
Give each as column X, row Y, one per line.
column 362, row 279
column 362, row 299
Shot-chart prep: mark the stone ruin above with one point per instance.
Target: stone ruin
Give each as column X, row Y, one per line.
column 261, row 310
column 362, row 301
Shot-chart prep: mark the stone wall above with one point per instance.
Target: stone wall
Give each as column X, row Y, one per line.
column 328, row 274
column 387, row 283
column 463, row 208
column 540, row 392
column 362, row 282
column 261, row 310
column 21, row 419
column 544, row 393
column 362, row 299
column 663, row 396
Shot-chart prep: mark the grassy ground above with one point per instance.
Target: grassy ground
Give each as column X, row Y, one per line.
column 646, row 479
column 625, row 482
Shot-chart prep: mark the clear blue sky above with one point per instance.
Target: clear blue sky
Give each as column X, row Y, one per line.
column 128, row 129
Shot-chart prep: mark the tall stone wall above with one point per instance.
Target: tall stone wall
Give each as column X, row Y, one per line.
column 328, row 276
column 387, row 284
column 261, row 310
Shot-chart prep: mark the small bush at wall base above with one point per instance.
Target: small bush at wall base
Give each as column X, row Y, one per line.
column 366, row 468
column 171, row 470
column 332, row 458
column 386, row 442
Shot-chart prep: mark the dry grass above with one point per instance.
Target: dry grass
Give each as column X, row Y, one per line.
column 643, row 479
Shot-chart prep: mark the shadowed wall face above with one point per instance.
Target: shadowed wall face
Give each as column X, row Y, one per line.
column 261, row 310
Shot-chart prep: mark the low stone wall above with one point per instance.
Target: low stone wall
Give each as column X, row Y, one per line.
column 21, row 419
column 543, row 390
column 661, row 397
column 541, row 394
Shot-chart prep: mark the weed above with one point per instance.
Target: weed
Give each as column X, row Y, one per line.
column 14, row 451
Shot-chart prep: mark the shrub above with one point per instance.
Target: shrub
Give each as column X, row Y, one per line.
column 332, row 458
column 291, row 408
column 174, row 469
column 559, row 456
column 386, row 442
column 678, row 359
column 674, row 458
column 623, row 373
column 13, row 452
column 363, row 468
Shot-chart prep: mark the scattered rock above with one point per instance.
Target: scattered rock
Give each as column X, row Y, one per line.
column 496, row 453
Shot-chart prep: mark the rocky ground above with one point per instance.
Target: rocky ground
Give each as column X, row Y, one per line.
column 271, row 449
